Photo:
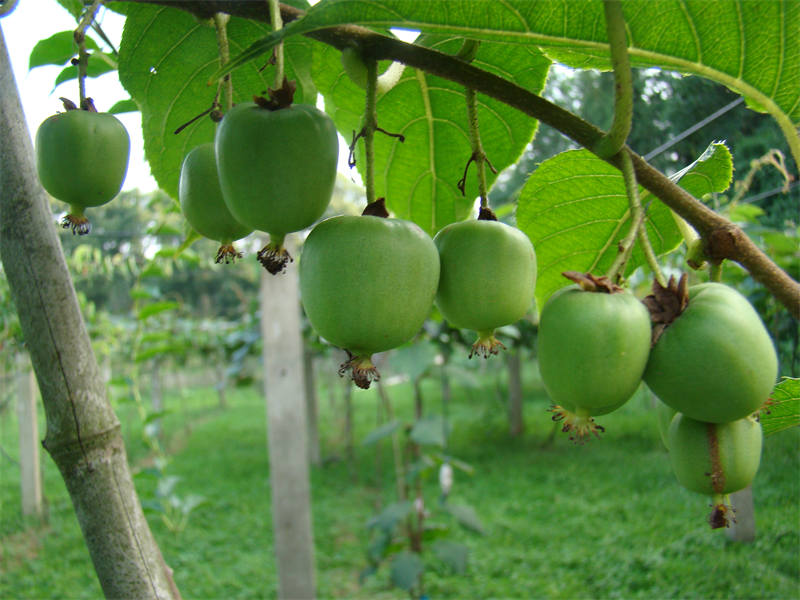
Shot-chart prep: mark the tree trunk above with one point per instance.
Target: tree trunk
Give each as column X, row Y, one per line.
column 83, row 434
column 30, row 470
column 311, row 406
column 516, row 423
column 287, row 432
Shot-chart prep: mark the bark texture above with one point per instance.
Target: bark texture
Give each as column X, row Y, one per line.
column 287, row 432
column 83, row 436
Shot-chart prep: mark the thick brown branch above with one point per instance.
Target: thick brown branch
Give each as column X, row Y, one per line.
column 710, row 225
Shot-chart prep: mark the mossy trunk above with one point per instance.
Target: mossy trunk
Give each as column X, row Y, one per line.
column 83, row 433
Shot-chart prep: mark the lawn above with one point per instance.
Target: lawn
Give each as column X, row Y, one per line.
column 601, row 520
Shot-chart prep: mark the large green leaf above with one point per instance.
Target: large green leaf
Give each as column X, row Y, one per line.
column 784, row 412
column 419, row 176
column 165, row 59
column 751, row 46
column 406, row 570
column 575, row 211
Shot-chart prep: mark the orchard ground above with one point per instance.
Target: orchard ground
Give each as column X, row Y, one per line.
column 602, row 520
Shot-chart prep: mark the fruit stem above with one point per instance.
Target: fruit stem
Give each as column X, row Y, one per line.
column 478, row 155
column 221, row 27
column 617, row 269
column 715, row 271
column 370, row 125
column 614, row 139
column 79, row 35
column 277, row 24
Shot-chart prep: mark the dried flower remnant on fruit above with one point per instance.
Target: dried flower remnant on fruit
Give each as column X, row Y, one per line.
column 486, row 345
column 360, row 369
column 78, row 223
column 274, row 257
column 592, row 283
column 279, row 98
column 722, row 514
column 579, row 426
column 228, row 254
column 376, row 209
column 666, row 304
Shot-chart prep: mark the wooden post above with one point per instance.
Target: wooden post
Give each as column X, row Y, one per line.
column 287, row 433
column 311, row 405
column 29, row 465
column 744, row 529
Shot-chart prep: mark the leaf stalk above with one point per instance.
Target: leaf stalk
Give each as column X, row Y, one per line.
column 614, row 140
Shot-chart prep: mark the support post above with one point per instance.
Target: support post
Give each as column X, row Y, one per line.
column 287, row 433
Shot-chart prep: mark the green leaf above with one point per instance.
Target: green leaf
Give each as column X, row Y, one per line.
column 98, row 64
column 165, row 59
column 575, row 211
column 154, row 416
column 58, row 49
column 390, row 516
column 75, row 7
column 406, row 570
column 784, row 412
column 124, row 106
column 466, row 517
column 419, row 177
column 381, row 432
column 751, row 46
column 429, row 431
column 155, row 308
column 453, row 554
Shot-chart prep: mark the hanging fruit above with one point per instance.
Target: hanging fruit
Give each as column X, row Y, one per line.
column 81, row 157
column 594, row 340
column 202, row 203
column 367, row 284
column 713, row 359
column 277, row 168
column 488, row 276
column 715, row 459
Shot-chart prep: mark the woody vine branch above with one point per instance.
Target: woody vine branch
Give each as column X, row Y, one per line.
column 722, row 239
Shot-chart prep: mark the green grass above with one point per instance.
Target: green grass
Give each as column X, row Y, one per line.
column 602, row 520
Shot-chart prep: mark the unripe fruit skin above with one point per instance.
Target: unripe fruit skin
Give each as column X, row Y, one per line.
column 276, row 168
column 201, row 197
column 714, row 458
column 716, row 361
column 488, row 274
column 664, row 416
column 367, row 283
column 82, row 157
column 593, row 347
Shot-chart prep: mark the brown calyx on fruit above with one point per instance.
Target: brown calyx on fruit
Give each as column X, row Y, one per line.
column 274, row 257
column 666, row 304
column 579, row 426
column 360, row 369
column 227, row 253
column 486, row 345
column 486, row 214
column 87, row 104
column 279, row 98
column 79, row 224
column 376, row 209
column 722, row 515
column 592, row 283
